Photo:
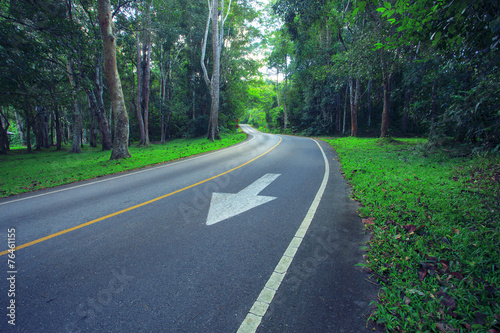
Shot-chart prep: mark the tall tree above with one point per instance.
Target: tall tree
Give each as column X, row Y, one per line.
column 4, row 138
column 217, row 41
column 120, row 141
column 77, row 116
column 279, row 58
column 144, row 44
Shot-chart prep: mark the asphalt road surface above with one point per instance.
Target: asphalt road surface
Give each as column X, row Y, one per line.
column 261, row 236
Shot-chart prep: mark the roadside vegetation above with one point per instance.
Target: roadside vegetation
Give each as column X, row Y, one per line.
column 46, row 168
column 434, row 218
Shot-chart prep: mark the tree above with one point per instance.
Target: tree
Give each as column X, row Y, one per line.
column 4, row 126
column 279, row 58
column 77, row 116
column 217, row 41
column 144, row 73
column 120, row 142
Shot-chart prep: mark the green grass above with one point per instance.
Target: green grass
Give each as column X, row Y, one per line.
column 435, row 226
column 21, row 172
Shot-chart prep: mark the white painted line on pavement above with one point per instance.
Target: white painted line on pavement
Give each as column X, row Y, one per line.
column 259, row 308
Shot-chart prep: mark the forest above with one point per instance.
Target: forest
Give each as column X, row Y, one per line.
column 399, row 68
column 54, row 88
column 348, row 68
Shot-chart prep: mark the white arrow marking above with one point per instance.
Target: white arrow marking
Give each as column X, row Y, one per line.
column 226, row 205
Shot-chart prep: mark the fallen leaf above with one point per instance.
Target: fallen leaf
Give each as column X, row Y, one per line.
column 369, row 220
column 398, row 236
column 440, row 327
column 457, row 275
column 422, row 272
column 415, row 291
column 447, row 300
column 410, row 228
column 456, row 231
column 479, row 319
column 442, row 313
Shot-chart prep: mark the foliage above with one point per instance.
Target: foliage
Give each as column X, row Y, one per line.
column 37, row 40
column 436, row 238
column 438, row 61
column 48, row 168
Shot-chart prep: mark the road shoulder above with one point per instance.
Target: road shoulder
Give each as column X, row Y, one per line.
column 324, row 290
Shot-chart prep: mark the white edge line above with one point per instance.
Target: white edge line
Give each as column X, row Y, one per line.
column 260, row 306
column 146, row 169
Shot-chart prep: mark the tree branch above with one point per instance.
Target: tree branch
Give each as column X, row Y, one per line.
column 342, row 40
column 204, row 46
column 120, row 5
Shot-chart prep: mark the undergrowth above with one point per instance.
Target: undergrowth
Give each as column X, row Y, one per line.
column 435, row 225
column 22, row 172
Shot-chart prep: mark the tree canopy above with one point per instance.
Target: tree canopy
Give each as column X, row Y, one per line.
column 54, row 88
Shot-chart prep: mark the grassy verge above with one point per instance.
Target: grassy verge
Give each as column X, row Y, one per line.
column 435, row 225
column 21, row 172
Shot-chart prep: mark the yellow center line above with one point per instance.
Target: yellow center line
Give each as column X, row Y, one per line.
column 133, row 207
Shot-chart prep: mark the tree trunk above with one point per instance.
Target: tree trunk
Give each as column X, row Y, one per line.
column 338, row 114
column 369, row 104
column 283, row 96
column 386, row 81
column 77, row 129
column 168, row 96
column 4, row 138
column 384, row 128
column 404, row 121
column 354, row 101
column 58, row 127
column 162, row 95
column 77, row 117
column 213, row 123
column 143, row 45
column 193, row 80
column 44, row 118
column 20, row 128
column 41, row 128
column 121, row 134
column 138, row 106
column 102, row 120
column 28, row 129
column 433, row 108
column 51, row 127
column 37, row 128
column 93, row 127
column 346, row 98
column 214, row 83
column 278, row 86
column 146, row 72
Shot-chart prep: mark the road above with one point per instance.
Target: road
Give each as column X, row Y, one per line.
column 261, row 236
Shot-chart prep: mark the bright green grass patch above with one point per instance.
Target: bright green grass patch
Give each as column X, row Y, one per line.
column 435, row 224
column 21, row 172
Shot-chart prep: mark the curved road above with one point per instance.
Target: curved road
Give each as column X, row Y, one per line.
column 259, row 236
